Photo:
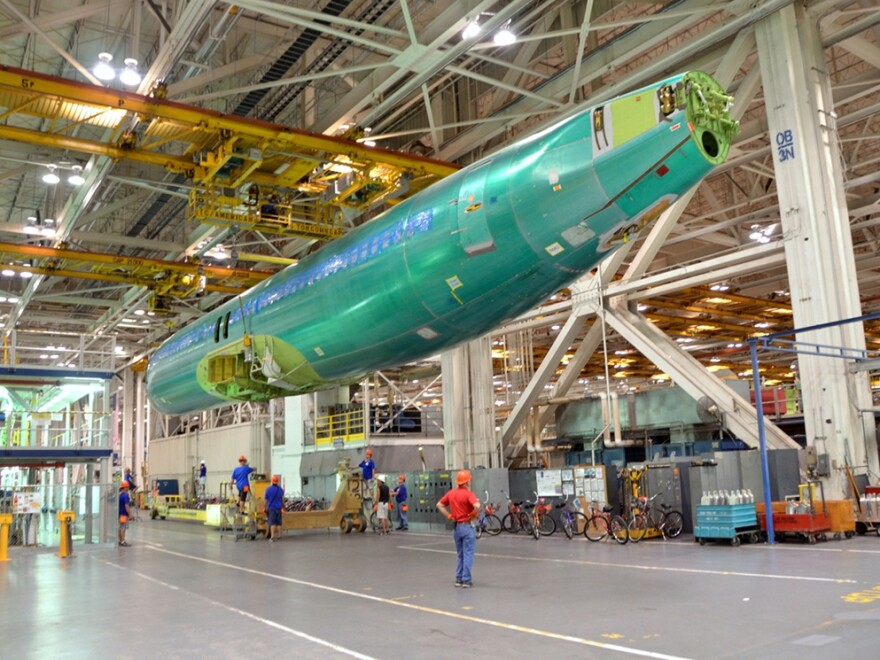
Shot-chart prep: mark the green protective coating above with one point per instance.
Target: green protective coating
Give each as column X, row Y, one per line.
column 450, row 264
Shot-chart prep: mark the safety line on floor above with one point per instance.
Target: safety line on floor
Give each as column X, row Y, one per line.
column 643, row 567
column 430, row 610
column 249, row 615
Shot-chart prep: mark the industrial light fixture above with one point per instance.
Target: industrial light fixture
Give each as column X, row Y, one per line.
column 471, row 30
column 7, row 272
column 103, row 70
column 130, row 75
column 504, row 36
column 76, row 179
column 50, row 177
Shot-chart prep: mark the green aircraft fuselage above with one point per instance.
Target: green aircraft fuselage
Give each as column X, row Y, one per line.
column 450, row 264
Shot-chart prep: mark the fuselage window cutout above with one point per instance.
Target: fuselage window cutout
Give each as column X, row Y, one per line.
column 226, row 326
column 217, row 330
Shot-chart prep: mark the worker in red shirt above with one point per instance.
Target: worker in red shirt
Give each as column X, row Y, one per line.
column 460, row 505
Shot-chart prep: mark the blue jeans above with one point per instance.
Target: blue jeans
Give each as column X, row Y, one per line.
column 404, row 523
column 465, row 543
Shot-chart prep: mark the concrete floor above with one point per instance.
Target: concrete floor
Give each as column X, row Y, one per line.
column 186, row 591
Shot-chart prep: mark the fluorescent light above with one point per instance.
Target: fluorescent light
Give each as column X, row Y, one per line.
column 103, row 70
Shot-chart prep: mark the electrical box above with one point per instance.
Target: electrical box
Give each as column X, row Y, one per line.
column 823, row 467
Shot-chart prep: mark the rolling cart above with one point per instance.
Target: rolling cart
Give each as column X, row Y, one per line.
column 733, row 522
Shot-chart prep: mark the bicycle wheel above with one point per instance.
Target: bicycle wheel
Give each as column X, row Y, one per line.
column 492, row 524
column 567, row 526
column 511, row 523
column 479, row 527
column 618, row 530
column 531, row 527
column 546, row 525
column 578, row 522
column 673, row 523
column 637, row 528
column 597, row 528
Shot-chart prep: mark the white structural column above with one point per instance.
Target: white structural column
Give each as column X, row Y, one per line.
column 126, row 406
column 468, row 405
column 456, row 406
column 482, row 402
column 287, row 458
column 140, row 426
column 818, row 242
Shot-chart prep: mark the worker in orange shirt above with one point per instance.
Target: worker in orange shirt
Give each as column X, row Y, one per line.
column 460, row 505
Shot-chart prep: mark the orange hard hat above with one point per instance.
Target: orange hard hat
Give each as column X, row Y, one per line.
column 369, row 452
column 274, row 478
column 124, row 484
column 462, row 477
column 242, row 458
column 401, row 477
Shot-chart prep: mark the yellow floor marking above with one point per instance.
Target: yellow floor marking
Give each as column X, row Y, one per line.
column 641, row 567
column 429, row 610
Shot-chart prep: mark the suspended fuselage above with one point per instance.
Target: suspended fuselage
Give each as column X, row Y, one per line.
column 478, row 248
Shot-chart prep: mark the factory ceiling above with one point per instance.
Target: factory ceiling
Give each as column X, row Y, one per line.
column 329, row 110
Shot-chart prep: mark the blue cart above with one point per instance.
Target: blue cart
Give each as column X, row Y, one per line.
column 727, row 521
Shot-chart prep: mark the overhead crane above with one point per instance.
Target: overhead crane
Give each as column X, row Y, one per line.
column 165, row 279
column 298, row 180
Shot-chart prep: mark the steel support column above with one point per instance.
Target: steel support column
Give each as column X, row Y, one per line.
column 456, row 407
column 126, row 449
column 738, row 414
column 818, row 246
column 468, row 405
column 140, row 423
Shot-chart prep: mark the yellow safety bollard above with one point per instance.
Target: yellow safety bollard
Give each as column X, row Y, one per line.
column 5, row 522
column 65, row 549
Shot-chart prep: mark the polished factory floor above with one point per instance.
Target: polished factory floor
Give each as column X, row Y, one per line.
column 186, row 591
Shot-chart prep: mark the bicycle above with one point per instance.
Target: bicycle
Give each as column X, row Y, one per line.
column 541, row 518
column 573, row 521
column 667, row 521
column 516, row 519
column 603, row 524
column 487, row 521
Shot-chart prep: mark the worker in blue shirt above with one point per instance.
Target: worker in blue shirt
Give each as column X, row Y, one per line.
column 400, row 495
column 130, row 479
column 274, row 497
column 203, row 478
column 240, row 478
column 124, row 513
column 367, row 467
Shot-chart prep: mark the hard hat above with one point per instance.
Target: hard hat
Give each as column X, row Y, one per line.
column 380, row 477
column 462, row 477
column 274, row 478
column 242, row 458
column 369, row 452
column 401, row 476
column 202, row 462
column 124, row 484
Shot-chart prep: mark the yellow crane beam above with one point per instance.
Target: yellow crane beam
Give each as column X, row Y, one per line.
column 166, row 278
column 276, row 155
